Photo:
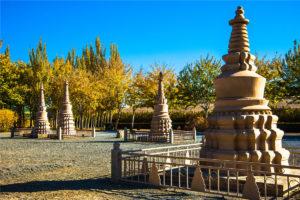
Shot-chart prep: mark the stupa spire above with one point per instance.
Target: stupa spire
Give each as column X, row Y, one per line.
column 239, row 57
column 160, row 98
column 42, row 98
column 239, row 36
column 66, row 92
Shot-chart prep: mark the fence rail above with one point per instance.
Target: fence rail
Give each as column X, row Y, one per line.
column 181, row 167
column 171, row 137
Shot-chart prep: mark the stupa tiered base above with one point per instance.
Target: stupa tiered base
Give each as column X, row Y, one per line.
column 246, row 137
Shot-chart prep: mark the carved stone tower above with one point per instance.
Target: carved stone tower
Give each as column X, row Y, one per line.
column 242, row 126
column 41, row 125
column 66, row 120
column 161, row 122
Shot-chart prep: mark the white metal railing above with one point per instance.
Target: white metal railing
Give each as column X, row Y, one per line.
column 181, row 167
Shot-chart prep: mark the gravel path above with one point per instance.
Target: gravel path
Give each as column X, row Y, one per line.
column 69, row 169
column 72, row 169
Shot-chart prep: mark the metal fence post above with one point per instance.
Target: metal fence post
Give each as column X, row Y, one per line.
column 195, row 134
column 116, row 163
column 59, row 133
column 125, row 134
column 171, row 136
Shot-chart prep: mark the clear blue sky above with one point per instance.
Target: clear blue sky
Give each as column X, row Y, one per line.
column 172, row 33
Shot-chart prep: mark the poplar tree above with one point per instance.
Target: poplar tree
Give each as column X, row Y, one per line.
column 40, row 69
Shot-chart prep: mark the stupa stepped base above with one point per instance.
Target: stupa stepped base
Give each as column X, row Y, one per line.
column 245, row 136
column 257, row 156
column 42, row 128
column 67, row 125
column 160, row 126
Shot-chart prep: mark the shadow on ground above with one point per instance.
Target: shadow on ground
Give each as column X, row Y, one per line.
column 101, row 185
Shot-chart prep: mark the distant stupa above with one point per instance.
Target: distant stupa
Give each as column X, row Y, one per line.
column 41, row 125
column 161, row 123
column 66, row 120
column 242, row 127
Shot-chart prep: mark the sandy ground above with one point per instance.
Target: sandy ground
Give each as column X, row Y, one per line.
column 72, row 169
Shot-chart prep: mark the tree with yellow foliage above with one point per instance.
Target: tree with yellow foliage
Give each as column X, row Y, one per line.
column 134, row 96
column 116, row 77
column 151, row 85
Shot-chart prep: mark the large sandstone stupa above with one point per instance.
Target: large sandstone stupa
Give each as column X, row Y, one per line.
column 161, row 123
column 41, row 124
column 242, row 126
column 66, row 120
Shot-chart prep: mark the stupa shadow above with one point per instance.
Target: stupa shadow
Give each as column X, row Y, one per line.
column 100, row 185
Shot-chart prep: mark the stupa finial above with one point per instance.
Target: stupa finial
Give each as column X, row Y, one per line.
column 42, row 99
column 160, row 98
column 66, row 96
column 239, row 57
column 239, row 36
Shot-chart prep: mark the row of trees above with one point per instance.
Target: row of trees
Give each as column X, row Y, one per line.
column 100, row 87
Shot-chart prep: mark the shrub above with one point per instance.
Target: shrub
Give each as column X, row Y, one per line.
column 199, row 122
column 7, row 119
column 287, row 114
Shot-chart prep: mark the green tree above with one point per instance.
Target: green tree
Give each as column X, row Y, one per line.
column 195, row 85
column 272, row 70
column 291, row 73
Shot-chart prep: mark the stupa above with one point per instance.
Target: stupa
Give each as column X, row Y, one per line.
column 66, row 120
column 41, row 125
column 242, row 127
column 161, row 123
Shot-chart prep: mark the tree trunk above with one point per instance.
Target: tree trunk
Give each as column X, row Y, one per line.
column 133, row 115
column 81, row 121
column 111, row 117
column 99, row 119
column 206, row 109
column 102, row 120
column 118, row 118
column 30, row 118
column 56, row 120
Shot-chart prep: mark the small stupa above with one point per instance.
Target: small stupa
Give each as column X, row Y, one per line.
column 242, row 127
column 66, row 120
column 161, row 123
column 41, row 125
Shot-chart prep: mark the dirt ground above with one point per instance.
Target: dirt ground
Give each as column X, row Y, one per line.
column 70, row 169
